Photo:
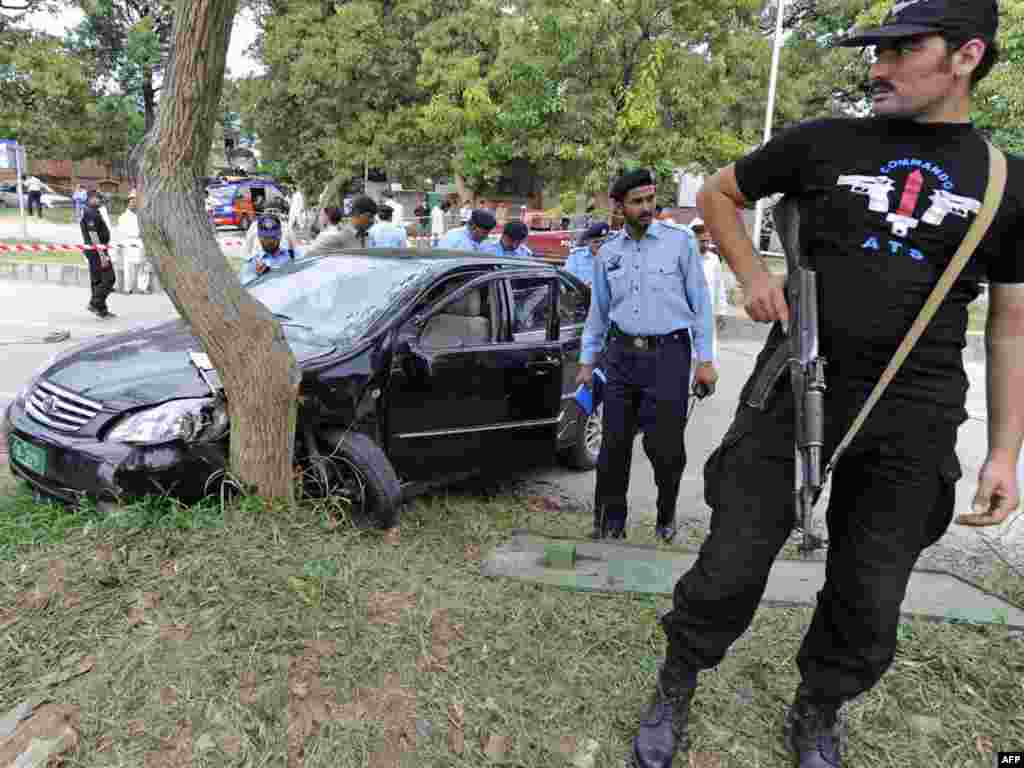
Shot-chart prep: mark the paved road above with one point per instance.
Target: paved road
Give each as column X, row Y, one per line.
column 32, row 310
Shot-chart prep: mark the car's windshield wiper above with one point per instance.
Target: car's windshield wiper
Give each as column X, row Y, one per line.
column 279, row 316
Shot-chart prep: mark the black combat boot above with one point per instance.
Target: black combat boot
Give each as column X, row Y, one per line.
column 664, row 725
column 815, row 732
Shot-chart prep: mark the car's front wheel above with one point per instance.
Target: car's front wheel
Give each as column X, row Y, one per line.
column 357, row 472
column 587, row 447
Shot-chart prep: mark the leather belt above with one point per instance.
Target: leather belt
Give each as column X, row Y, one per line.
column 646, row 342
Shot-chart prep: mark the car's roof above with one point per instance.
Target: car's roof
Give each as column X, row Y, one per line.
column 456, row 258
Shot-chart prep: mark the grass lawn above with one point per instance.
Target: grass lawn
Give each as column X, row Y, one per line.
column 63, row 215
column 249, row 638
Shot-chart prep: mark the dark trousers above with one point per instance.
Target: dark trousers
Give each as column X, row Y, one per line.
column 892, row 495
column 101, row 279
column 35, row 200
column 647, row 389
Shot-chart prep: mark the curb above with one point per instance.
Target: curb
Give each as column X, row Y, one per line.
column 738, row 328
column 61, row 274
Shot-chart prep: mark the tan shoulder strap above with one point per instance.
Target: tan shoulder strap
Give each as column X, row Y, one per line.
column 980, row 225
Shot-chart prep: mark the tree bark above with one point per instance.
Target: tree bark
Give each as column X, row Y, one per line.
column 244, row 342
column 148, row 98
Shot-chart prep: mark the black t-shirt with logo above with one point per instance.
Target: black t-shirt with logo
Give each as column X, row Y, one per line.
column 886, row 205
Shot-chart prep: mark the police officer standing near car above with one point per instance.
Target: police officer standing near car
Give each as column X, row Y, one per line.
column 95, row 232
column 648, row 296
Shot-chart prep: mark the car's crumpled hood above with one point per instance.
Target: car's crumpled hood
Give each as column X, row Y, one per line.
column 140, row 367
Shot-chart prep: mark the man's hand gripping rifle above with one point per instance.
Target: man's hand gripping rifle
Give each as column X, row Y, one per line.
column 806, row 371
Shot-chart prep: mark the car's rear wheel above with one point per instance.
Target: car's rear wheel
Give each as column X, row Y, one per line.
column 356, row 473
column 585, row 450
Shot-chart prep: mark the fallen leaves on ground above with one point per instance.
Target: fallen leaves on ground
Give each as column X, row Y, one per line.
column 104, row 743
column 232, row 745
column 168, row 696
column 49, row 731
column 169, row 569
column 68, row 668
column 135, row 728
column 394, row 708
column 247, row 688
column 472, row 552
column 309, row 704
column 442, row 632
column 104, row 553
column 456, row 729
column 705, row 760
column 175, row 752
column 495, row 746
column 387, row 607
column 176, row 632
column 984, row 745
column 393, row 537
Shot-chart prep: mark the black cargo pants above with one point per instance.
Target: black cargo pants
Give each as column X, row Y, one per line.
column 892, row 495
column 101, row 280
column 646, row 389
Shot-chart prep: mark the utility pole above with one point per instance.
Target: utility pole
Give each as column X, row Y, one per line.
column 772, row 83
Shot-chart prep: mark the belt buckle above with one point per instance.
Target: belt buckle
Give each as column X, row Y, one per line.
column 639, row 342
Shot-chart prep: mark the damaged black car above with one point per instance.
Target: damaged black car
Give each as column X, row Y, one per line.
column 418, row 368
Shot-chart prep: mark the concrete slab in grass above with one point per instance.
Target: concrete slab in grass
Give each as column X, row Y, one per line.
column 604, row 566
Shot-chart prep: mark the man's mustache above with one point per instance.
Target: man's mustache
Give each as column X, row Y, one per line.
column 871, row 87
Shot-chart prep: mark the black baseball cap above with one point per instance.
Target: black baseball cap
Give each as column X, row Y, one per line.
column 957, row 19
column 516, row 231
column 364, row 204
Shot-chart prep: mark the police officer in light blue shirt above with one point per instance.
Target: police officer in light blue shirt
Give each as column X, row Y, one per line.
column 581, row 259
column 270, row 254
column 512, row 241
column 385, row 233
column 648, row 296
column 473, row 236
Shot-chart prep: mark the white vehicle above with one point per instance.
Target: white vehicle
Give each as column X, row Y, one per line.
column 50, row 199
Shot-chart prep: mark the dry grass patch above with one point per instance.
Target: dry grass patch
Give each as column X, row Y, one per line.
column 230, row 664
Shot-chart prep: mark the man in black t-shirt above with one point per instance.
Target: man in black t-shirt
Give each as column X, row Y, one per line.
column 885, row 203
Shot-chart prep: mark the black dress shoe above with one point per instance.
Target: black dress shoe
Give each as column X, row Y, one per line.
column 616, row 532
column 664, row 726
column 815, row 732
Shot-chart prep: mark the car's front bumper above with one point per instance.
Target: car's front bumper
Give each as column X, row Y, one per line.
column 87, row 466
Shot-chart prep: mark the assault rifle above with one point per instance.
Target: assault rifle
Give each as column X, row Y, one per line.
column 806, row 370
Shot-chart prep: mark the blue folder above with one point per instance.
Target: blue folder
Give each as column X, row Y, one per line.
column 588, row 399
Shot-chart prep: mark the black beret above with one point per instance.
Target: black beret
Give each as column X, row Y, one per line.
column 595, row 230
column 631, row 180
column 363, row 204
column 517, row 230
column 483, row 219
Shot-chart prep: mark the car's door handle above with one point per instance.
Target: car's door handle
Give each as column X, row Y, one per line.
column 539, row 367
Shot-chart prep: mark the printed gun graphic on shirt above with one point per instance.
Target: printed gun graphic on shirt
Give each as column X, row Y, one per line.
column 945, row 203
column 877, row 189
column 806, row 371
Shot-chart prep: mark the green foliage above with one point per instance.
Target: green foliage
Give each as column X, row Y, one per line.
column 44, row 93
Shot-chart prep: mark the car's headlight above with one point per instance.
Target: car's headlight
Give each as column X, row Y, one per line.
column 196, row 420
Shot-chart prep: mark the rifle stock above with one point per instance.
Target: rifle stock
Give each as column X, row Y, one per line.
column 806, row 370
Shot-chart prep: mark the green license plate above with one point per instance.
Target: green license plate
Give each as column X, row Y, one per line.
column 31, row 457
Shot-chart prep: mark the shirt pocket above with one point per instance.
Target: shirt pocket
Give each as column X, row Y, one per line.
column 662, row 275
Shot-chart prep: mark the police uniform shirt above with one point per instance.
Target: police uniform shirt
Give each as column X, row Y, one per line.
column 649, row 287
column 459, row 240
column 498, row 249
column 886, row 204
column 279, row 258
column 581, row 264
column 385, row 234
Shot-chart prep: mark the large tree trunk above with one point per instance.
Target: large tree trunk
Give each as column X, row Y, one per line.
column 244, row 342
column 148, row 98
